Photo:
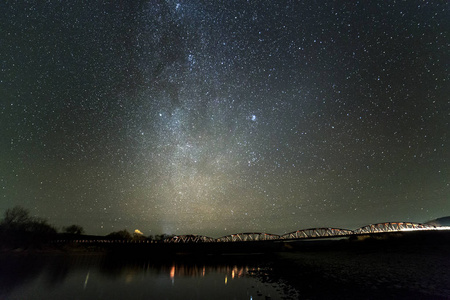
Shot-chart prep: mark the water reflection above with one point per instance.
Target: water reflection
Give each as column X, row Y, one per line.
column 112, row 277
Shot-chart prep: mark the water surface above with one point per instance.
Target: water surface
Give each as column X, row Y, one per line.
column 111, row 277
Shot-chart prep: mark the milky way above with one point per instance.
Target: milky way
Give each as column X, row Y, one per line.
column 215, row 118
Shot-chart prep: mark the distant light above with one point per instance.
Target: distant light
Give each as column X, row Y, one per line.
column 172, row 274
column 253, row 118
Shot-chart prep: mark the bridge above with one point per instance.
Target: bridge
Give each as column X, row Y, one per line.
column 311, row 233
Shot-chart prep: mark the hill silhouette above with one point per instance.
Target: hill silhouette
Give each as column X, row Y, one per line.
column 444, row 221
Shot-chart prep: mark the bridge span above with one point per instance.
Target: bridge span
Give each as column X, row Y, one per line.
column 311, row 233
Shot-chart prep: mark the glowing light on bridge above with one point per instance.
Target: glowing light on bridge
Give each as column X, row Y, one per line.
column 317, row 233
column 311, row 233
column 392, row 227
column 191, row 238
column 248, row 237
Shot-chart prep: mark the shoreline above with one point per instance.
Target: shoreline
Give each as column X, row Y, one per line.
column 395, row 241
column 410, row 266
column 396, row 269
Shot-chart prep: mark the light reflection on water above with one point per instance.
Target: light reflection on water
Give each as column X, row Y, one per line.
column 107, row 277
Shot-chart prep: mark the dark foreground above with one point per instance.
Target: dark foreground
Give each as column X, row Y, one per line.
column 411, row 268
column 395, row 266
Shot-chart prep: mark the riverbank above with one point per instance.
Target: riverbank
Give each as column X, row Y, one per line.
column 417, row 267
column 388, row 266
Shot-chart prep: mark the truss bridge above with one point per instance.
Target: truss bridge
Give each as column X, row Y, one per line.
column 249, row 237
column 311, row 233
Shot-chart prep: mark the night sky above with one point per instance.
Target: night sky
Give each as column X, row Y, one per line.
column 219, row 117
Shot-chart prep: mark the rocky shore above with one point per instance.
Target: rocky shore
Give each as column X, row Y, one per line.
column 387, row 269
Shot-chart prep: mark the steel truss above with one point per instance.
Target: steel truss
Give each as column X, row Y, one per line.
column 190, row 238
column 316, row 233
column 248, row 237
column 261, row 236
column 392, row 227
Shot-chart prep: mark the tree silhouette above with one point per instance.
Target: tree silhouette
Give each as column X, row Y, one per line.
column 18, row 228
column 120, row 235
column 16, row 218
column 74, row 230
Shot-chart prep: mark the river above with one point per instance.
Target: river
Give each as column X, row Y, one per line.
column 91, row 276
column 409, row 266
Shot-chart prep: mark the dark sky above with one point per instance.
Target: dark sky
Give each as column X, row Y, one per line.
column 218, row 117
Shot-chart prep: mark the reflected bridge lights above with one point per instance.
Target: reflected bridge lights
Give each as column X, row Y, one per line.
column 172, row 274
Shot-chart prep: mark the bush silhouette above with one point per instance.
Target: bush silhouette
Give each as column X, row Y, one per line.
column 19, row 229
column 73, row 230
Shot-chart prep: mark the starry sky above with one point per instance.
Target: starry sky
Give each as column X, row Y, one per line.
column 218, row 117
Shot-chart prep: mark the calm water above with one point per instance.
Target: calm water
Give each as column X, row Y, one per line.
column 107, row 277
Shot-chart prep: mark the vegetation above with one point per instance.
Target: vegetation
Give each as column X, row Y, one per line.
column 19, row 229
column 126, row 235
column 73, row 230
column 159, row 237
column 120, row 235
column 137, row 235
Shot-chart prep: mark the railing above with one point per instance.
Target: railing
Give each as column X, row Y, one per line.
column 261, row 236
